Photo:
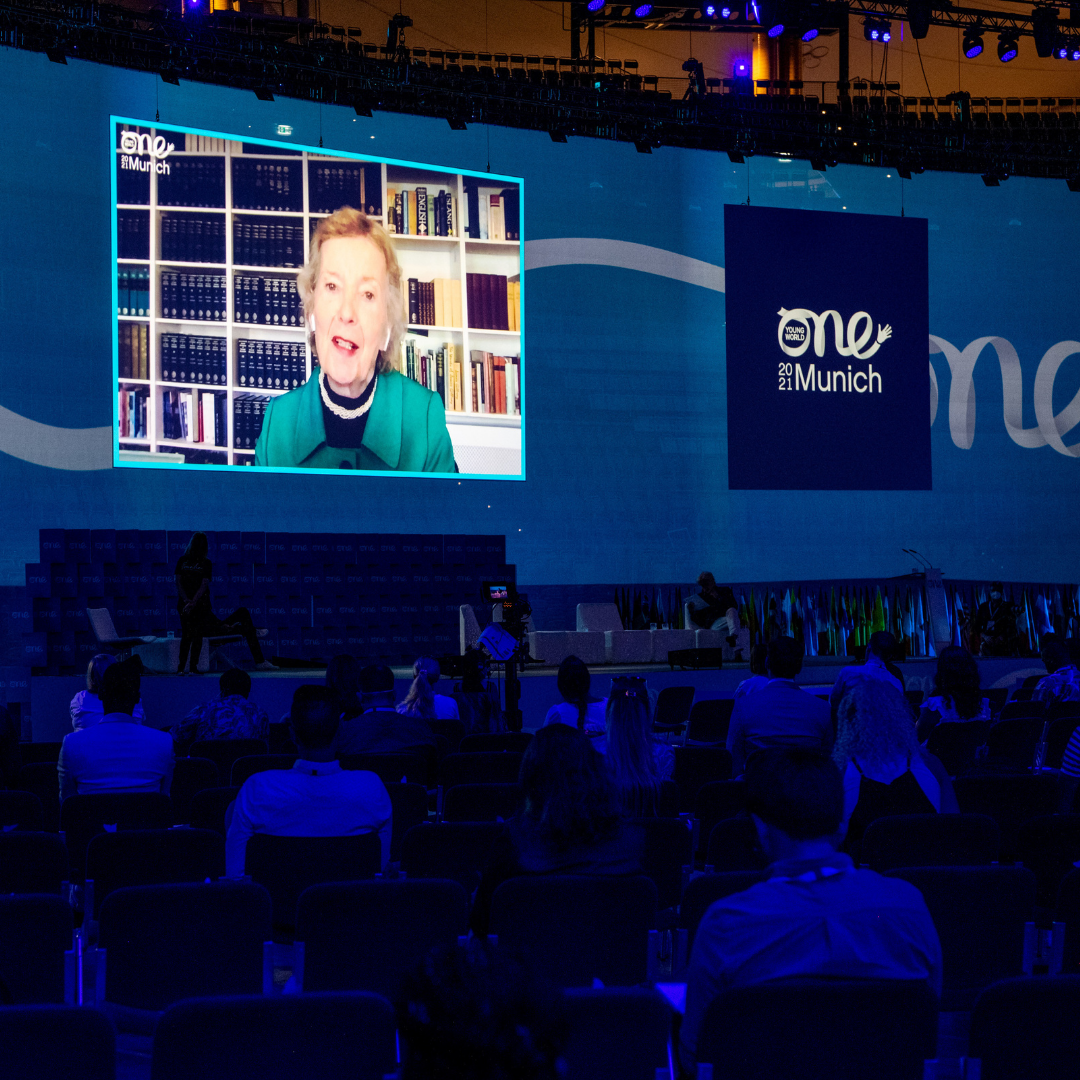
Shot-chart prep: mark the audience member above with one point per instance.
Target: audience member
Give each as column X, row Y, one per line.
column 1063, row 681
column 956, row 698
column 316, row 797
column 420, row 700
column 117, row 753
column 343, row 681
column 879, row 652
column 570, row 823
column 886, row 772
column 478, row 701
column 759, row 666
column 637, row 763
column 471, row 1013
column 780, row 713
column 815, row 915
column 229, row 716
column 578, row 708
column 380, row 728
column 86, row 708
column 446, row 708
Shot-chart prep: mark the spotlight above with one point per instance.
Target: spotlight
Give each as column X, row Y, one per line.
column 708, row 10
column 1008, row 47
column 918, row 14
column 1074, row 49
column 1074, row 183
column 642, row 10
column 877, row 30
column 725, row 12
column 742, row 69
column 170, row 77
column 992, row 179
column 596, row 5
column 1061, row 51
column 643, row 146
column 818, row 164
column 770, row 15
column 457, row 123
column 1044, row 21
column 557, row 135
column 735, row 157
column 362, row 107
column 809, row 35
column 973, row 42
column 56, row 56
column 904, row 172
column 263, row 94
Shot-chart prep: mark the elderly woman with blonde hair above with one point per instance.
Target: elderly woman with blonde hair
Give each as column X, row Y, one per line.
column 356, row 411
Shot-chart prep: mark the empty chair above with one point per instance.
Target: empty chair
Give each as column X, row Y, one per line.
column 152, row 857
column 35, row 932
column 704, row 890
column 564, row 925
column 47, row 1042
column 101, row 622
column 287, row 865
column 390, row 768
column 1009, row 800
column 852, row 1029
column 668, row 849
column 709, row 721
column 1014, row 740
column 1067, row 912
column 673, row 709
column 410, row 807
column 84, row 816
column 1021, row 708
column 956, row 745
column 35, row 752
column 619, row 1033
column 190, row 776
column 169, row 942
column 452, row 730
column 32, row 862
column 457, row 850
column 276, row 1038
column 223, row 752
column 208, row 808
column 255, row 763
column 930, row 840
column 696, row 766
column 43, row 780
column 1023, row 1028
column 369, row 935
column 21, row 810
column 494, row 767
column 717, row 802
column 1049, row 847
column 734, row 845
column 481, row 802
column 1061, row 729
column 485, row 742
column 980, row 913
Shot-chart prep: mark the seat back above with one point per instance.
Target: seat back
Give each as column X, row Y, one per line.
column 21, row 810
column 101, row 622
column 619, row 1033
column 316, row 1035
column 1014, row 740
column 287, row 865
column 43, row 780
column 84, row 816
column 704, row 890
column 51, row 1043
column 734, row 845
column 955, row 745
column 457, row 850
column 35, row 932
column 32, row 862
column 880, row 1028
column 255, row 763
column 1021, row 708
column 1067, row 911
column 451, row 730
column 979, row 913
column 1009, row 800
column 598, row 617
column 1049, row 846
column 668, row 848
column 169, row 942
column 369, row 935
column 190, row 776
column 32, row 753
column 493, row 767
column 709, row 720
column 673, row 705
column 1061, row 729
column 715, row 802
column 563, row 926
column 410, row 807
column 390, row 768
column 1061, row 710
column 696, row 766
column 208, row 808
column 224, row 752
column 930, row 840
column 517, row 742
column 152, row 857
column 997, row 696
column 481, row 802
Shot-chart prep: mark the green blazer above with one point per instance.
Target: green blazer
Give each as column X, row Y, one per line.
column 405, row 432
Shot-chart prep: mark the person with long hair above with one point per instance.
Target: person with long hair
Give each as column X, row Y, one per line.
column 478, row 700
column 86, row 708
column 570, row 822
column 446, row 708
column 578, row 708
column 885, row 770
column 956, row 698
column 420, row 700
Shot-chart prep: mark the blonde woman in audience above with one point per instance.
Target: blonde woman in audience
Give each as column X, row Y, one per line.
column 420, row 700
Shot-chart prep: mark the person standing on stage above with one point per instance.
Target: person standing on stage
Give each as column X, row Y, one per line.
column 995, row 623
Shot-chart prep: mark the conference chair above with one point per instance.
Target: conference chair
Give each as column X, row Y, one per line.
column 481, row 802
column 1021, row 709
column 369, row 935
column 451, row 730
column 709, row 721
column 42, row 779
column 516, row 742
column 673, row 710
column 997, row 696
column 456, row 850
column 1061, row 728
column 152, row 857
column 667, row 857
column 1013, row 741
column 48, row 1042
column 716, row 802
column 223, row 752
column 980, row 913
column 1050, row 847
column 1024, row 1028
column 1009, row 800
column 619, row 1033
column 696, row 766
column 84, row 816
column 396, row 768
column 956, row 746
column 35, row 933
column 410, row 807
column 190, row 776
column 101, row 622
column 209, row 808
column 21, row 810
column 246, row 767
column 703, row 891
column 930, row 840
column 734, row 845
column 492, row 767
column 37, row 752
column 1067, row 914
column 668, row 799
column 273, row 1038
column 574, row 929
column 32, row 862
column 808, row 1028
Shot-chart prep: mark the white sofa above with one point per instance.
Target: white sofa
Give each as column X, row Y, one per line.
column 554, row 646
column 620, row 646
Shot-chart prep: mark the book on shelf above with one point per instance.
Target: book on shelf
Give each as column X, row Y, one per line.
column 134, row 351
column 494, row 301
column 188, row 358
column 496, row 383
column 266, row 301
column 267, row 185
column 248, row 412
column 193, row 297
column 270, row 365
column 193, row 238
column 133, row 291
column 193, row 181
column 438, row 368
column 194, row 416
column 267, row 242
column 493, row 213
column 132, row 412
column 206, row 144
column 133, row 234
column 332, row 185
column 421, row 211
column 433, row 303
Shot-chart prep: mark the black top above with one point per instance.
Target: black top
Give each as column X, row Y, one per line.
column 345, row 434
column 876, row 800
column 192, row 572
column 383, row 731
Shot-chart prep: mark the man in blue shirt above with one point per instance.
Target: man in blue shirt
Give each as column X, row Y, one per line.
column 815, row 914
column 880, row 649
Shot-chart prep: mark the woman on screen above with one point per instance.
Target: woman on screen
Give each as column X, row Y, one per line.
column 355, row 411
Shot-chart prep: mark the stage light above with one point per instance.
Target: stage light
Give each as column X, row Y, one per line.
column 1008, row 47
column 735, row 157
column 643, row 146
column 642, row 10
column 596, row 5
column 557, row 135
column 973, row 42
column 1044, row 21
column 56, row 56
column 457, row 123
column 877, row 30
column 1073, row 183
column 742, row 69
column 918, row 14
column 170, row 77
column 1061, row 51
column 770, row 14
column 993, row 179
column 725, row 12
column 1074, row 49
column 263, row 94
column 818, row 164
column 708, row 10
column 809, row 35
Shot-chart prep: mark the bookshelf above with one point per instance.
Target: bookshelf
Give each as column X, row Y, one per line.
column 222, row 268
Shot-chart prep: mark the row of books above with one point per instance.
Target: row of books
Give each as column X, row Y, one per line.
column 267, row 185
column 195, row 416
column 433, row 303
column 193, row 238
column 133, row 355
column 258, row 242
column 267, row 301
column 494, row 301
column 188, row 358
column 133, row 234
column 492, row 213
column 271, row 365
column 419, row 212
column 195, row 297
column 207, row 144
column 333, row 185
column 437, row 369
column 496, row 383
column 132, row 412
column 132, row 291
column 248, row 412
column 192, row 182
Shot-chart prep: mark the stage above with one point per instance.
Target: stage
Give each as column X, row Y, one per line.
column 167, row 698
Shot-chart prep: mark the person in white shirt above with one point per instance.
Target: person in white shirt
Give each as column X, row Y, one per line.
column 117, row 753
column 446, row 708
column 86, row 708
column 578, row 708
column 881, row 648
column 316, row 797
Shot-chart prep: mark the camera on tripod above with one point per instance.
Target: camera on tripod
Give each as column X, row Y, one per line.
column 509, row 608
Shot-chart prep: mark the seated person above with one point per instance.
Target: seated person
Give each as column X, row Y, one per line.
column 420, row 700
column 815, row 915
column 886, row 772
column 880, row 651
column 86, row 708
column 780, row 713
column 758, row 672
column 715, row 607
column 228, row 716
column 570, row 824
column 343, row 681
column 1063, row 681
column 446, row 708
column 578, row 708
column 380, row 728
column 117, row 753
column 637, row 762
column 957, row 698
column 478, row 699
column 316, row 797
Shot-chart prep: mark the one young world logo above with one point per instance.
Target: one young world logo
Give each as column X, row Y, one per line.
column 856, row 339
column 141, row 153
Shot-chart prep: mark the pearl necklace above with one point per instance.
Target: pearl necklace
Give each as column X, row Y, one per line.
column 337, row 410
